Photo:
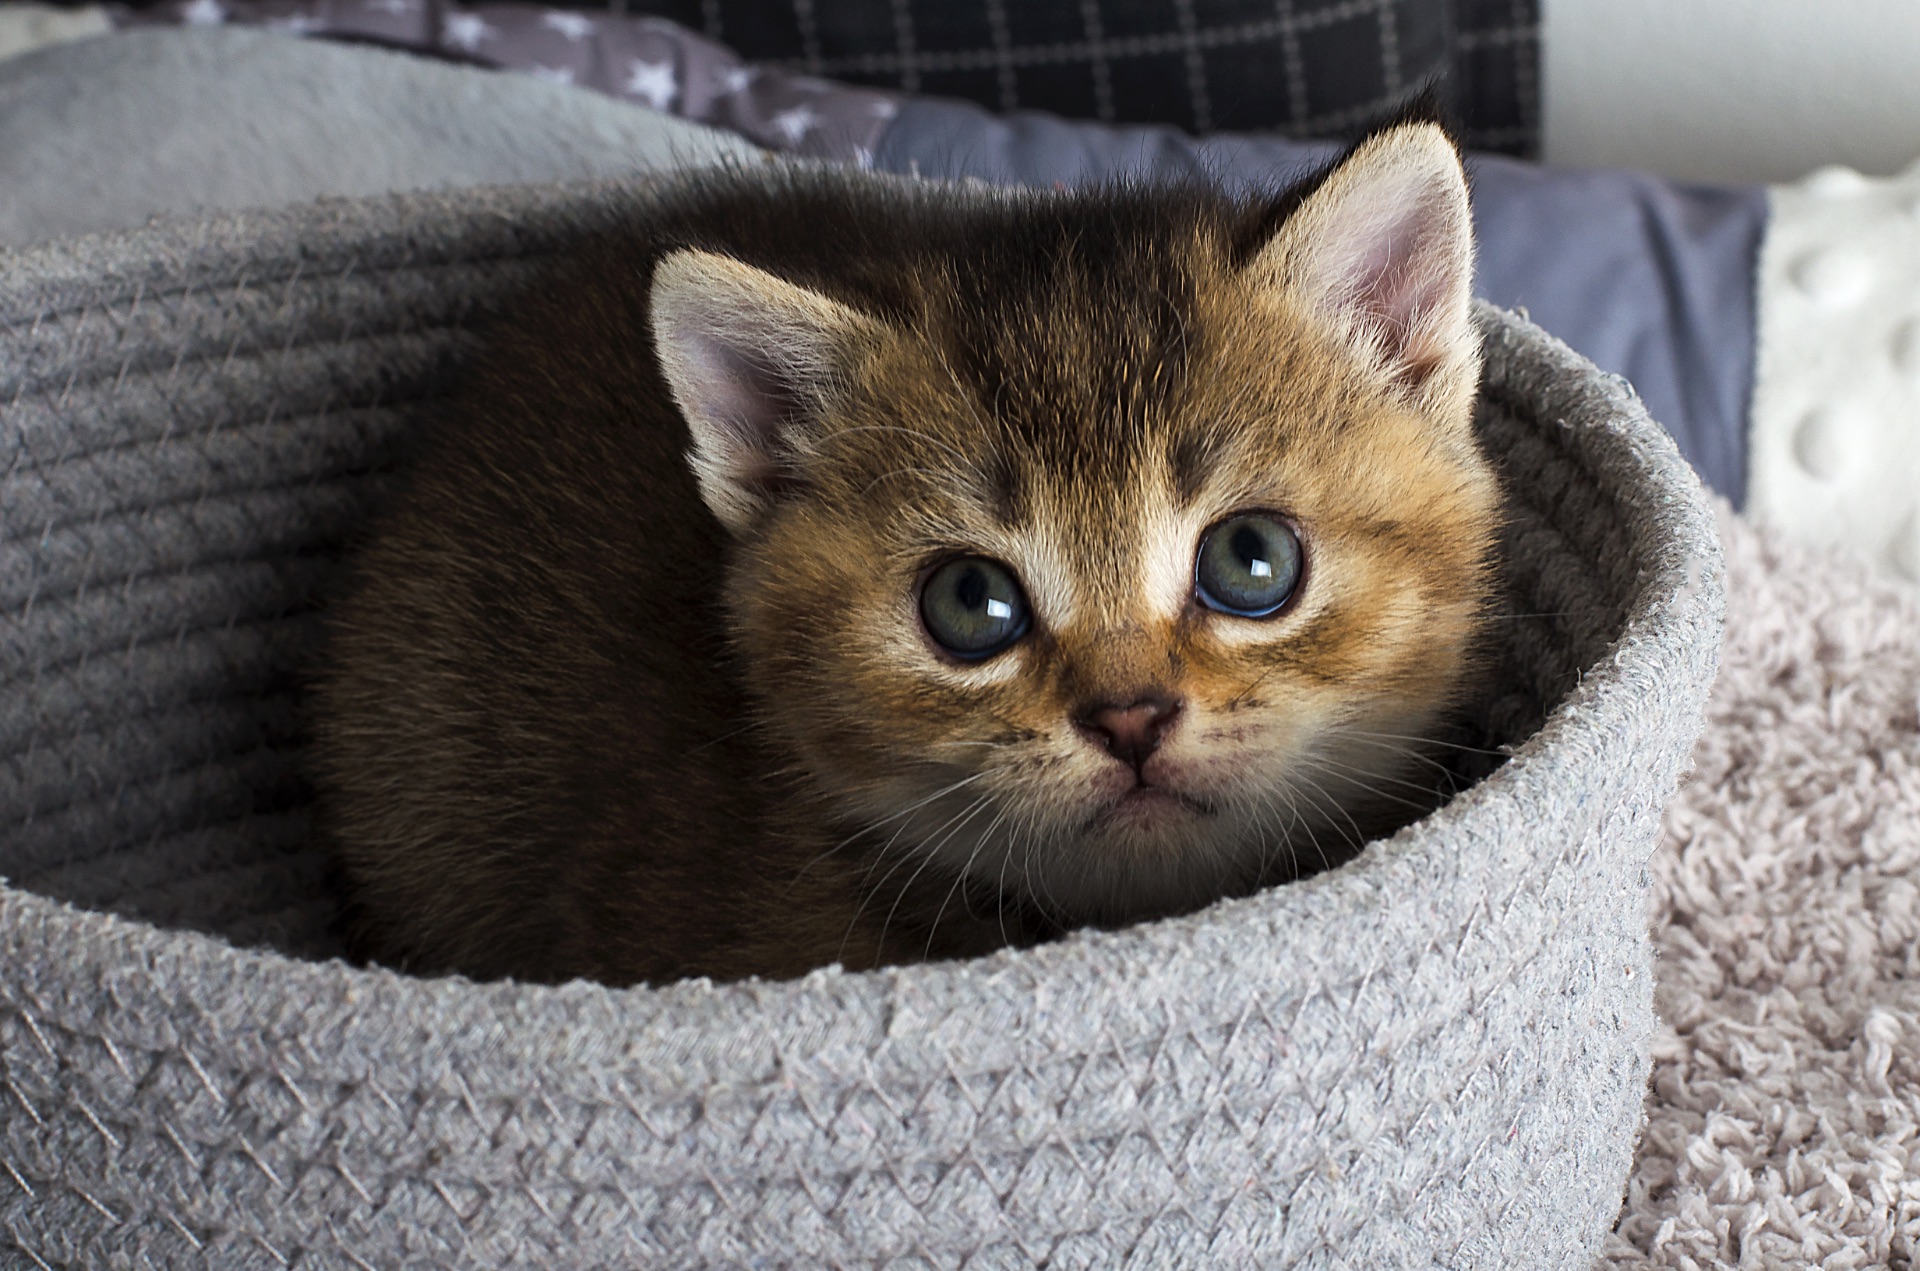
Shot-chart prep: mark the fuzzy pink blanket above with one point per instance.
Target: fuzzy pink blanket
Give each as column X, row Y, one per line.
column 1783, row 1123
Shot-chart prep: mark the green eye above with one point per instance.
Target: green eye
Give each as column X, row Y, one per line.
column 973, row 607
column 1248, row 565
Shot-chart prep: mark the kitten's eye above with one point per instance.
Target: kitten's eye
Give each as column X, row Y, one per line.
column 1248, row 565
column 973, row 607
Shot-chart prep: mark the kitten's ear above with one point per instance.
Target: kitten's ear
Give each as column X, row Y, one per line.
column 750, row 360
column 1383, row 249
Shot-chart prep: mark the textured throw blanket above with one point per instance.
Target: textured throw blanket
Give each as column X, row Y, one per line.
column 1784, row 1125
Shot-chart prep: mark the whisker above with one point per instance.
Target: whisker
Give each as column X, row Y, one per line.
column 1430, row 741
column 1410, row 753
column 1000, row 888
column 1051, row 901
column 933, row 929
column 1268, row 824
column 930, row 850
column 870, row 828
column 1320, row 793
column 901, row 858
column 937, row 794
column 869, row 888
column 1401, row 800
column 1299, row 827
column 1328, row 764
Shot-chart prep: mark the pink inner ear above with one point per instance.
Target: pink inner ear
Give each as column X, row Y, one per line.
column 1389, row 255
column 1401, row 275
column 750, row 360
column 743, row 398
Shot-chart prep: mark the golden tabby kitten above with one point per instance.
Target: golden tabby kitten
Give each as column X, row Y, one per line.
column 831, row 568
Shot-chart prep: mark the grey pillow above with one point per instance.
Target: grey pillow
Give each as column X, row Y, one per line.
column 105, row 133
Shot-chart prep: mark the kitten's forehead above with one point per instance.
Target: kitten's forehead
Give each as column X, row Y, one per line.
column 1088, row 404
column 1125, row 550
column 1077, row 353
column 1097, row 547
column 1085, row 456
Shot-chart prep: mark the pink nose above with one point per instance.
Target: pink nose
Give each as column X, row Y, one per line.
column 1131, row 733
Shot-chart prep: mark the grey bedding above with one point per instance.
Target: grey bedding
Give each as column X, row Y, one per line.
column 105, row 133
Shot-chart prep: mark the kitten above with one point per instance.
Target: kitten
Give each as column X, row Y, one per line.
column 833, row 568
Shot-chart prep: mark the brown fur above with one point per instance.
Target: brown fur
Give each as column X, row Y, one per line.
column 573, row 726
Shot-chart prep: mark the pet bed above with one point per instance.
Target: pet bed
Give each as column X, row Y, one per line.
column 1434, row 1055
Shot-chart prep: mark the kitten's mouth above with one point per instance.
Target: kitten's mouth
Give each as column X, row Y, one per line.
column 1148, row 806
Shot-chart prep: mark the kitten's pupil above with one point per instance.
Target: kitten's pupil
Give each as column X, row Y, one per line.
column 1251, row 549
column 1248, row 566
column 973, row 608
column 972, row 588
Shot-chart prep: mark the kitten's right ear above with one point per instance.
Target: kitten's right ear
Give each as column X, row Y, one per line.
column 750, row 360
column 1383, row 252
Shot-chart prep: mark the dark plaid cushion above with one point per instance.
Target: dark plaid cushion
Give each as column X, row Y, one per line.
column 1496, row 74
column 1300, row 68
column 1303, row 67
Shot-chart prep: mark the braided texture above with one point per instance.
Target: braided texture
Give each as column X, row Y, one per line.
column 1433, row 1056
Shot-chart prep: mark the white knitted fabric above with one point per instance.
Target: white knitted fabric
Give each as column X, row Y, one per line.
column 1834, row 453
column 1433, row 1056
column 1784, row 1120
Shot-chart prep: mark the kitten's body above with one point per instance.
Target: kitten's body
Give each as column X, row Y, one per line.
column 595, row 710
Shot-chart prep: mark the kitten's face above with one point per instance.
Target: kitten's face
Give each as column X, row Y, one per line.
column 1141, row 596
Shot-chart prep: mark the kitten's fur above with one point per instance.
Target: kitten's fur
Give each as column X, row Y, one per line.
column 633, row 685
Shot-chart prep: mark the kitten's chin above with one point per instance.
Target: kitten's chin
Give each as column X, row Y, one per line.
column 1149, row 853
column 1149, row 810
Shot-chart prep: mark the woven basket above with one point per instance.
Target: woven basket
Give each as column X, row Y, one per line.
column 1433, row 1056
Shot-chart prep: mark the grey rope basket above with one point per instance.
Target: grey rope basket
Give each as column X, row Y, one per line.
column 1433, row 1056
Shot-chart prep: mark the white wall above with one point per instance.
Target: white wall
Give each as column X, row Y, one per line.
column 1731, row 90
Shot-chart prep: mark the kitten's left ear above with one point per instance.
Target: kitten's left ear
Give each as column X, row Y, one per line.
column 751, row 360
column 1383, row 250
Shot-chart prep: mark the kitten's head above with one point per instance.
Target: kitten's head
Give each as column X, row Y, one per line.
column 1124, row 563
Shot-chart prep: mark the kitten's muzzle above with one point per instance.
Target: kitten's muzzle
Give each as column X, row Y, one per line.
column 1133, row 732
